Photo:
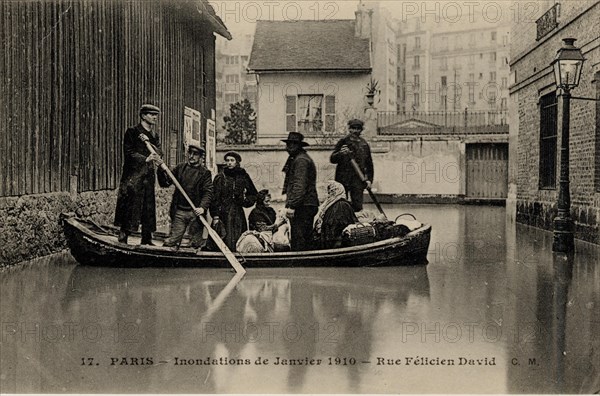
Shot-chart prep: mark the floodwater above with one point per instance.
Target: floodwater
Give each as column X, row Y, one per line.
column 493, row 312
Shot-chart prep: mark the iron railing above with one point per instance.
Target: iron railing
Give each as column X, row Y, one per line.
column 442, row 122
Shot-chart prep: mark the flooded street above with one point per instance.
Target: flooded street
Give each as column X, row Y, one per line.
column 493, row 312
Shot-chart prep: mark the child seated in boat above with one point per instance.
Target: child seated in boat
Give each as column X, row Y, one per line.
column 264, row 230
column 335, row 214
column 263, row 216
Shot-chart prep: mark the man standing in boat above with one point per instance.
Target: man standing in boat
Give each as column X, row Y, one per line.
column 136, row 203
column 196, row 181
column 300, row 189
column 350, row 147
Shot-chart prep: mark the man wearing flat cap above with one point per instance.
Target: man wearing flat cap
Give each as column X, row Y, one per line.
column 353, row 146
column 136, row 200
column 196, row 181
column 300, row 189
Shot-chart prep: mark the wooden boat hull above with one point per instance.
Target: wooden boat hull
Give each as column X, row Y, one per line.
column 91, row 244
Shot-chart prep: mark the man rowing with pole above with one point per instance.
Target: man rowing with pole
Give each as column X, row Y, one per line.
column 136, row 200
column 353, row 147
column 196, row 181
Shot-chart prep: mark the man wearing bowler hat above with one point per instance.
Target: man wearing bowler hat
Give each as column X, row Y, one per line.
column 136, row 200
column 353, row 146
column 300, row 189
column 196, row 181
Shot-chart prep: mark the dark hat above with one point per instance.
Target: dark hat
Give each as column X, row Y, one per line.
column 356, row 123
column 148, row 108
column 260, row 197
column 295, row 137
column 234, row 155
column 197, row 147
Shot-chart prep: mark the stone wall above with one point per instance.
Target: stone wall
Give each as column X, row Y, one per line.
column 30, row 225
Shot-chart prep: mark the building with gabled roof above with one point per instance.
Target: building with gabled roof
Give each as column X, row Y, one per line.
column 311, row 76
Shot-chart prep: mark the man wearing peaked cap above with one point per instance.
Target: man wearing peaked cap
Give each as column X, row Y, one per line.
column 136, row 202
column 149, row 109
column 196, row 181
column 300, row 189
column 353, row 147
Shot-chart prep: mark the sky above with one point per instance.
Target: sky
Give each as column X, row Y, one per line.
column 240, row 16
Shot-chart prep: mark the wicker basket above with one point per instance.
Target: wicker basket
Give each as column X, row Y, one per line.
column 358, row 234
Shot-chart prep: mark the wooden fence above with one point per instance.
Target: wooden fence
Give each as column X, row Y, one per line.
column 74, row 74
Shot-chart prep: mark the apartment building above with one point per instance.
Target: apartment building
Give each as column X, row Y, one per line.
column 444, row 66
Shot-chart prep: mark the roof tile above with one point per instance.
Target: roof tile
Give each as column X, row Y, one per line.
column 308, row 45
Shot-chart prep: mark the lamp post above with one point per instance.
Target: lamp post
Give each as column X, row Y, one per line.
column 567, row 72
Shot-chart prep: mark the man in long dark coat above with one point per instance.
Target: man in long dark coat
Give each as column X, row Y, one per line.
column 352, row 146
column 135, row 200
column 300, row 188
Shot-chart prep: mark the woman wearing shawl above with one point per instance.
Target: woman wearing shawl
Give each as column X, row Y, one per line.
column 335, row 214
column 263, row 216
column 233, row 191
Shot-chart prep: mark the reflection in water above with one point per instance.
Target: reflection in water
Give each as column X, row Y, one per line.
column 490, row 291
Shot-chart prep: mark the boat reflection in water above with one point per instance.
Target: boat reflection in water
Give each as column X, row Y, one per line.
column 206, row 325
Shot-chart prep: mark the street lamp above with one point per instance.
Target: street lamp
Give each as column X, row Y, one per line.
column 567, row 72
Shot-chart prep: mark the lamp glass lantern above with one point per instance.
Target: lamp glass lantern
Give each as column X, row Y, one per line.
column 568, row 65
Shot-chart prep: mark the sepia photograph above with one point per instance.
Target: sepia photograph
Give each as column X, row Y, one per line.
column 300, row 197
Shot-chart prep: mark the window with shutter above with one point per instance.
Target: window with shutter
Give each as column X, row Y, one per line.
column 290, row 114
column 330, row 113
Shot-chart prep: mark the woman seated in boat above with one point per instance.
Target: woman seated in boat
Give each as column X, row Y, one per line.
column 335, row 214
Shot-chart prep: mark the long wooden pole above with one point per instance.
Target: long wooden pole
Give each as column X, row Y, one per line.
column 362, row 177
column 213, row 234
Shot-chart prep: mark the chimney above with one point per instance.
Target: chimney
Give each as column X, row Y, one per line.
column 363, row 21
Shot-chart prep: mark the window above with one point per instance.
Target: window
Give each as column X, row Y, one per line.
column 444, row 82
column 416, row 100
column 493, row 36
column 417, row 81
column 232, row 60
column 471, row 39
column 504, row 82
column 505, row 40
column 417, row 42
column 472, row 93
column 503, row 104
column 471, row 60
column 548, row 141
column 232, row 78
column 492, row 76
column 290, row 114
column 492, row 57
column 232, row 98
column 417, row 62
column 444, row 63
column 308, row 111
column 444, row 45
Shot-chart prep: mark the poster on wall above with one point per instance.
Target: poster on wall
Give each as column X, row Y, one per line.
column 191, row 127
column 211, row 146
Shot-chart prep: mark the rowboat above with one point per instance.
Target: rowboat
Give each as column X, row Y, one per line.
column 94, row 244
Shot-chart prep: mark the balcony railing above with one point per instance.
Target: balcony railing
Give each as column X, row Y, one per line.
column 442, row 122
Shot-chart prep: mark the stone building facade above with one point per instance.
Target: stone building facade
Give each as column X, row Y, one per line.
column 536, row 116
